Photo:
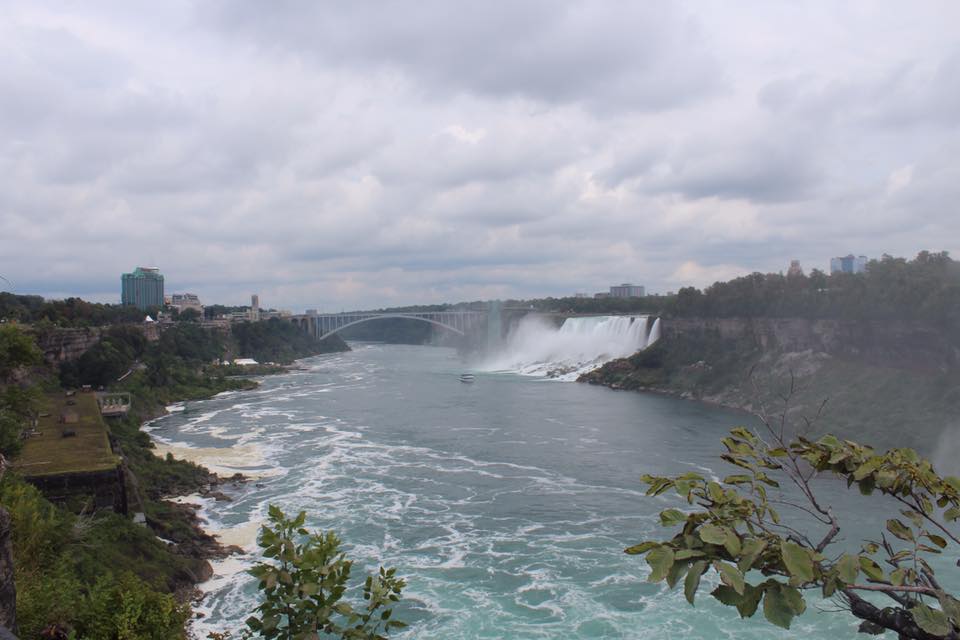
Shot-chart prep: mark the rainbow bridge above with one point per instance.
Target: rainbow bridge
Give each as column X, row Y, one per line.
column 322, row 325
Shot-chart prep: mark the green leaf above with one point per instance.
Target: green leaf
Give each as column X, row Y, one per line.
column 752, row 548
column 715, row 491
column 738, row 479
column 713, row 534
column 730, row 576
column 776, row 608
column 867, row 468
column 897, row 576
column 797, row 560
column 937, row 540
column 676, row 570
column 950, row 606
column 643, row 547
column 671, row 517
column 871, row 569
column 930, row 620
column 692, row 581
column 732, row 543
column 848, row 567
column 686, row 554
column 951, row 514
column 899, row 530
column 660, row 560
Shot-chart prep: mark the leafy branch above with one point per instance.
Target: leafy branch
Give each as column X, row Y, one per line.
column 736, row 531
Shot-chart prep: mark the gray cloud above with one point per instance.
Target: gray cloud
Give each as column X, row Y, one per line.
column 351, row 155
column 611, row 55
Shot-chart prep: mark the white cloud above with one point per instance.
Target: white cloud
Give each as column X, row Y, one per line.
column 365, row 155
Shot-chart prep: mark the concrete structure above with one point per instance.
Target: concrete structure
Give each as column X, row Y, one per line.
column 848, row 264
column 627, row 290
column 183, row 301
column 795, row 269
column 254, row 308
column 143, row 288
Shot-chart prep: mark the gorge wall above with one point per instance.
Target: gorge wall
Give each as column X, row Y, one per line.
column 894, row 343
column 898, row 382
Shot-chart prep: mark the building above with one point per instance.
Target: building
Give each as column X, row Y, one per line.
column 848, row 264
column 795, row 269
column 183, row 301
column 627, row 291
column 143, row 288
column 254, row 308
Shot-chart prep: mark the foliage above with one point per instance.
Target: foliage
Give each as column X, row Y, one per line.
column 736, row 531
column 93, row 575
column 926, row 289
column 17, row 349
column 278, row 341
column 304, row 588
column 72, row 312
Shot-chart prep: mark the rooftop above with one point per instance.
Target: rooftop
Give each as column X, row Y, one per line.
column 47, row 452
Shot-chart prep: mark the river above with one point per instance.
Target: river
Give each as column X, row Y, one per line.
column 505, row 503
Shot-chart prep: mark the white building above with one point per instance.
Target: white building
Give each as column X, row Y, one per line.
column 183, row 301
column 627, row 290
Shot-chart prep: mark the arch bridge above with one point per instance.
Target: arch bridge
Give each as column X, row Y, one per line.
column 322, row 325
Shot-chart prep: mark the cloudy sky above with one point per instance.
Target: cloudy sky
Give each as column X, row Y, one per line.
column 357, row 154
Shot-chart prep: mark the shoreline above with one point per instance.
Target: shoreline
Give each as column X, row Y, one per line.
column 214, row 546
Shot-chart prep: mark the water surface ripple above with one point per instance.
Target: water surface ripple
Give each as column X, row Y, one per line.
column 505, row 503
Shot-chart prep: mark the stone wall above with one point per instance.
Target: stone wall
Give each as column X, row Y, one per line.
column 100, row 489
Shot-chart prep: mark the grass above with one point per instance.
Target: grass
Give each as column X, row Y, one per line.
column 50, row 453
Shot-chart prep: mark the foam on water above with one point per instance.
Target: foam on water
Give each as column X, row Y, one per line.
column 496, row 536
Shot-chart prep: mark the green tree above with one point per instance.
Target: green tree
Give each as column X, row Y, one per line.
column 305, row 584
column 188, row 315
column 17, row 349
column 735, row 530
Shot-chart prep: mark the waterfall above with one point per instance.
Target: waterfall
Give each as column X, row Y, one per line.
column 539, row 348
column 654, row 332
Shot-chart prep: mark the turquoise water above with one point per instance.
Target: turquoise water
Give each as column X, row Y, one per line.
column 505, row 503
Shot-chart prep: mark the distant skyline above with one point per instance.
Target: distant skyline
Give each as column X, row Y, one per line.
column 358, row 155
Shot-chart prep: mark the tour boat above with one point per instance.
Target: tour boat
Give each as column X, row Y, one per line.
column 467, row 377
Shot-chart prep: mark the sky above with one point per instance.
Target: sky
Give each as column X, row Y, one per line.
column 344, row 155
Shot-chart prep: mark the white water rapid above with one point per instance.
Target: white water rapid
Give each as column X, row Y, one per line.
column 538, row 348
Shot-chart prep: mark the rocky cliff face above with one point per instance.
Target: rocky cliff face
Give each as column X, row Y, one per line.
column 8, row 591
column 63, row 345
column 66, row 344
column 895, row 381
column 897, row 344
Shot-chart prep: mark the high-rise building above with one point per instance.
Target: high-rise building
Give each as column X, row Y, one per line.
column 143, row 288
column 795, row 269
column 626, row 290
column 254, row 308
column 848, row 264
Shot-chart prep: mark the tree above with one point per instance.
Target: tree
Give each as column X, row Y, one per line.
column 17, row 349
column 188, row 315
column 303, row 589
column 736, row 531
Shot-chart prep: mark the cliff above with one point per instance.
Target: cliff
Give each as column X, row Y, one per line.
column 8, row 591
column 896, row 380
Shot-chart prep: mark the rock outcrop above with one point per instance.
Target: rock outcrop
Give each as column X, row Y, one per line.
column 8, row 591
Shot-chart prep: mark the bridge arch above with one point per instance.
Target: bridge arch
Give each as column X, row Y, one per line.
column 392, row 315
